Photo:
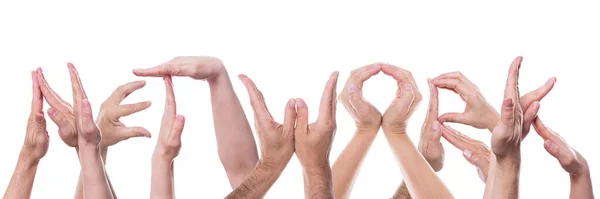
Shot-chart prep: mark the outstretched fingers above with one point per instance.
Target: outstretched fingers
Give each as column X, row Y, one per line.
column 328, row 102
column 256, row 100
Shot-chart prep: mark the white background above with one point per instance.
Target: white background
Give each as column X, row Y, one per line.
column 289, row 50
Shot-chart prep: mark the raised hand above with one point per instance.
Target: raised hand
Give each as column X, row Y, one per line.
column 195, row 67
column 509, row 133
column 313, row 142
column 475, row 151
column 169, row 138
column 407, row 100
column 431, row 133
column 366, row 117
column 113, row 130
column 36, row 137
column 87, row 131
column 478, row 112
column 60, row 111
column 570, row 160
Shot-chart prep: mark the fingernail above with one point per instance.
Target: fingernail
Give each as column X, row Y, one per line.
column 549, row 145
column 181, row 120
column 292, row 103
column 435, row 126
column 407, row 86
column 51, row 112
column 536, row 105
column 299, row 104
column 85, row 104
column 467, row 153
column 352, row 88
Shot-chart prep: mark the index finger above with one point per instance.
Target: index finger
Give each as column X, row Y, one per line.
column 37, row 102
column 167, row 68
column 256, row 99
column 362, row 74
column 455, row 138
column 78, row 92
column 53, row 99
column 538, row 94
column 399, row 74
column 328, row 101
column 544, row 132
column 512, row 82
column 170, row 103
column 432, row 112
column 123, row 91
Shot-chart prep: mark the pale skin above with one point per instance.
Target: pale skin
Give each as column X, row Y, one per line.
column 167, row 147
column 367, row 120
column 113, row 131
column 570, row 160
column 78, row 130
column 34, row 148
column 238, row 156
column 479, row 114
column 419, row 177
column 276, row 144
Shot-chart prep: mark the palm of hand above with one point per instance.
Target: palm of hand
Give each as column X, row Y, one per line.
column 506, row 137
column 37, row 141
column 68, row 134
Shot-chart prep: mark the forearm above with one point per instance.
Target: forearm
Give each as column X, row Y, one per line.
column 402, row 192
column 581, row 187
column 491, row 176
column 93, row 174
column 258, row 182
column 21, row 182
column 238, row 155
column 162, row 180
column 318, row 182
column 345, row 168
column 506, row 180
column 418, row 175
column 79, row 189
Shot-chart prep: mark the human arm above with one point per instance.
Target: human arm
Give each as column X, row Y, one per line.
column 419, row 177
column 367, row 120
column 570, row 160
column 238, row 156
column 34, row 148
column 313, row 142
column 277, row 145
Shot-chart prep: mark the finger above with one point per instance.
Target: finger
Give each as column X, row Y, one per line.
column 399, row 74
column 455, row 85
column 432, row 112
column 302, row 117
column 53, row 99
column 170, row 103
column 360, row 75
column 137, row 131
column 289, row 120
column 529, row 116
column 123, row 91
column 435, row 132
column 356, row 101
column 507, row 115
column 512, row 82
column 563, row 157
column 128, row 109
column 87, row 119
column 37, row 102
column 78, row 93
column 256, row 100
column 40, row 121
column 453, row 117
column 404, row 101
column 538, row 94
column 477, row 159
column 58, row 119
column 544, row 132
column 178, row 127
column 455, row 138
column 451, row 75
column 164, row 69
column 328, row 102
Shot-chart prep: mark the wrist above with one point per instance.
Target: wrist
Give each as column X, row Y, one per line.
column 271, row 164
column 317, row 169
column 394, row 129
column 221, row 77
column 366, row 132
column 26, row 162
column 492, row 120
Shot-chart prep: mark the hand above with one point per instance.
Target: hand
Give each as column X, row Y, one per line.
column 169, row 138
column 88, row 133
column 113, row 130
column 407, row 100
column 313, row 141
column 570, row 160
column 196, row 67
column 475, row 151
column 276, row 140
column 60, row 112
column 365, row 115
column 508, row 134
column 431, row 133
column 36, row 137
column 478, row 112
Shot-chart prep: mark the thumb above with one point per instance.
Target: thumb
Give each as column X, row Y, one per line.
column 453, row 117
column 356, row 100
column 137, row 131
column 40, row 121
column 476, row 160
column 507, row 115
column 436, row 132
column 58, row 119
column 178, row 127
